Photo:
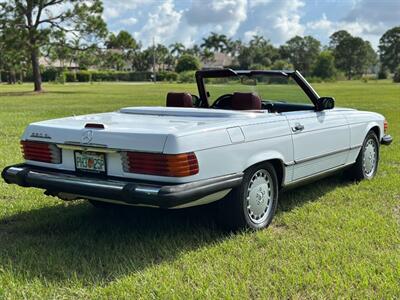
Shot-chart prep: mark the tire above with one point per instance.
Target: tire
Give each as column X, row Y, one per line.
column 252, row 205
column 367, row 161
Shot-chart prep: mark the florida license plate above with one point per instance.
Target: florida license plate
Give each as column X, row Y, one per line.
column 90, row 162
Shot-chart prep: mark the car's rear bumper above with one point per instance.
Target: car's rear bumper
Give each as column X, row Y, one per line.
column 131, row 192
column 386, row 139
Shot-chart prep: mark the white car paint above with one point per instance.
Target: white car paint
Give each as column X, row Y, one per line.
column 224, row 141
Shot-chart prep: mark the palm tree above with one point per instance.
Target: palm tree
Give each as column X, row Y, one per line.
column 258, row 41
column 195, row 50
column 216, row 42
column 177, row 49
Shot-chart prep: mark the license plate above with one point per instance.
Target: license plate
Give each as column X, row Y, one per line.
column 90, row 162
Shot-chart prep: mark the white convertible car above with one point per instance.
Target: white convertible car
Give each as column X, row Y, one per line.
column 247, row 135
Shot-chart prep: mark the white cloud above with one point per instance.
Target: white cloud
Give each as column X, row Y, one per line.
column 123, row 5
column 165, row 26
column 276, row 20
column 225, row 15
column 129, row 21
column 110, row 13
column 323, row 28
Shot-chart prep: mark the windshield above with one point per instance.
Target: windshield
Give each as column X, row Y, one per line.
column 267, row 87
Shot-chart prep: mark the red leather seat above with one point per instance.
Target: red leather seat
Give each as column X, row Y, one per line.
column 246, row 101
column 179, row 100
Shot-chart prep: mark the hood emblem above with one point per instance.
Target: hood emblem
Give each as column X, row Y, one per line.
column 87, row 137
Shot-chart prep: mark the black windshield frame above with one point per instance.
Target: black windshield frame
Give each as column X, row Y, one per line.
column 221, row 73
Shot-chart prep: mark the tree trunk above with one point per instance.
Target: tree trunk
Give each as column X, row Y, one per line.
column 13, row 77
column 37, row 78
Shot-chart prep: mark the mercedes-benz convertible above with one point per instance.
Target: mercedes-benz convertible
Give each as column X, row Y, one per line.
column 246, row 136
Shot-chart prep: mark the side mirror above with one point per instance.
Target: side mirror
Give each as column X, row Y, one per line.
column 324, row 103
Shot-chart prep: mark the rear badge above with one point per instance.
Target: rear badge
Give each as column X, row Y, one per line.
column 40, row 135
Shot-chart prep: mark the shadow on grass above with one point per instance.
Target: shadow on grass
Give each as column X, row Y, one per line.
column 31, row 93
column 298, row 196
column 77, row 241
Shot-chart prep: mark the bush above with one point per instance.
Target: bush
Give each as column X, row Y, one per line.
column 187, row 77
column 314, row 79
column 396, row 77
column 383, row 73
column 167, row 76
column 257, row 67
column 187, row 63
column 140, row 76
column 83, row 76
column 325, row 66
column 50, row 74
column 282, row 65
column 98, row 76
column 60, row 78
column 70, row 76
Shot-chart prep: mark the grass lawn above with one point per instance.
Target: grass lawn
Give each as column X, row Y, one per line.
column 330, row 239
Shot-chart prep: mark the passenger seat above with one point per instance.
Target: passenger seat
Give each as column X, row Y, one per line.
column 179, row 100
column 246, row 101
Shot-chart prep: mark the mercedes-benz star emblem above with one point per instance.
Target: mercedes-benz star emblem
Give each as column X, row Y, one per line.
column 87, row 137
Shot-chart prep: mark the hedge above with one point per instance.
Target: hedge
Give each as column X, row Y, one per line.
column 187, row 77
column 59, row 75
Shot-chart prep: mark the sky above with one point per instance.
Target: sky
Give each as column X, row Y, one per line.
column 188, row 21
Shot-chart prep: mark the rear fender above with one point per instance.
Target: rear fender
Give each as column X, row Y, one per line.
column 268, row 156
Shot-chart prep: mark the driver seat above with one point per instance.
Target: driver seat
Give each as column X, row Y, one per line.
column 246, row 101
column 179, row 100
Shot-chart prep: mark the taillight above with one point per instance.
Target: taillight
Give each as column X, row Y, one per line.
column 39, row 151
column 173, row 165
column 385, row 126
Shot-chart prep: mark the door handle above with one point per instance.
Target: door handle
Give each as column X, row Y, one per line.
column 298, row 127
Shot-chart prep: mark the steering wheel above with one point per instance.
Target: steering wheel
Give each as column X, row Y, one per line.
column 220, row 100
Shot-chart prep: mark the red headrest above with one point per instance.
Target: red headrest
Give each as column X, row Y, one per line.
column 179, row 100
column 246, row 101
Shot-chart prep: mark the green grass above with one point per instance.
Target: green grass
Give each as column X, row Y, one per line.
column 331, row 239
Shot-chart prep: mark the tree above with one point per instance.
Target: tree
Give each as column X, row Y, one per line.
column 389, row 48
column 281, row 64
column 187, row 63
column 259, row 52
column 302, row 52
column 353, row 55
column 13, row 54
column 216, row 42
column 337, row 37
column 39, row 24
column 396, row 77
column 195, row 50
column 120, row 49
column 177, row 49
column 207, row 56
column 325, row 65
column 114, row 60
column 122, row 41
column 142, row 60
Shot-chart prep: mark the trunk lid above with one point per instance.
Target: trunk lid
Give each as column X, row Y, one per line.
column 139, row 129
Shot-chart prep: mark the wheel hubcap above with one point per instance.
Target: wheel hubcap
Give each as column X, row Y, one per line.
column 369, row 158
column 259, row 196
